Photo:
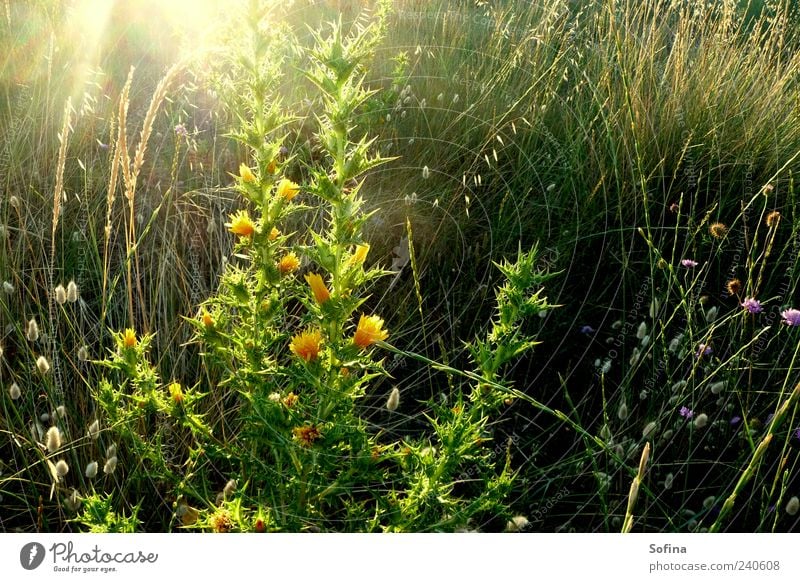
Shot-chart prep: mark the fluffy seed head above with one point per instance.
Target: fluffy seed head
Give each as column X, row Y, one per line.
column 61, row 295
column 517, row 523
column 394, row 399
column 649, row 429
column 717, row 388
column 62, row 468
column 14, row 392
column 701, row 420
column 622, row 411
column 72, row 292
column 32, row 332
column 94, row 430
column 43, row 365
column 110, row 466
column 793, row 505
column 53, row 439
column 8, row 287
column 91, row 470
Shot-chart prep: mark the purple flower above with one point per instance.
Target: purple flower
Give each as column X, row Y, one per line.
column 180, row 130
column 686, row 412
column 689, row 263
column 736, row 420
column 587, row 329
column 704, row 350
column 791, row 317
column 103, row 146
column 797, row 433
column 752, row 305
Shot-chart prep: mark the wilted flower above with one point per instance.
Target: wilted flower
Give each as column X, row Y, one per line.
column 369, row 330
column 752, row 305
column 718, row 230
column 734, row 286
column 33, row 331
column 72, row 292
column 791, row 317
column 290, row 400
column 306, row 434
column 288, row 263
column 42, row 365
column 307, row 345
column 53, row 439
column 288, row 189
column 689, row 263
column 318, row 288
column 394, row 399
column 91, row 470
column 241, row 224
column 61, row 295
column 773, row 219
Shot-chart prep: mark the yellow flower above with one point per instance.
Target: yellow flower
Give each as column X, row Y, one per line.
column 208, row 321
column 272, row 166
column 246, row 174
column 307, row 345
column 359, row 255
column 306, row 434
column 288, row 263
column 321, row 293
column 274, row 233
column 242, row 225
column 129, row 338
column 176, row 392
column 718, row 230
column 288, row 189
column 369, row 330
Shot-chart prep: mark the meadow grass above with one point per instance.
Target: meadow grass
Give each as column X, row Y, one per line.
column 613, row 134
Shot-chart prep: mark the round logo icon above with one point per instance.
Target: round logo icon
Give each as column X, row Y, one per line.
column 31, row 555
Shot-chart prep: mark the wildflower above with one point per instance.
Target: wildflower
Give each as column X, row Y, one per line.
column 288, row 263
column 62, row 469
column 735, row 420
column 61, row 411
column 517, row 523
column 662, row 263
column 426, row 173
column 773, row 219
column 274, row 233
column 8, row 287
column 94, row 430
column 791, row 317
column 61, row 295
column 206, row 318
column 306, row 434
column 703, row 350
column 33, row 331
column 129, row 338
column 242, row 224
column 307, row 345
column 718, row 230
column 53, row 439
column 72, row 292
column 110, row 466
column 176, row 392
column 290, row 400
column 793, row 505
column 752, row 305
column 83, row 353
column 734, row 286
column 686, row 412
column 246, row 174
column 717, row 387
column 288, row 189
column 274, row 397
column 42, row 365
column 369, row 330
column 91, row 470
column 359, row 255
column 689, row 263
column 318, row 288
column 272, row 166
column 260, row 526
column 701, row 421
column 394, row 400
column 587, row 329
column 641, row 331
column 180, row 130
